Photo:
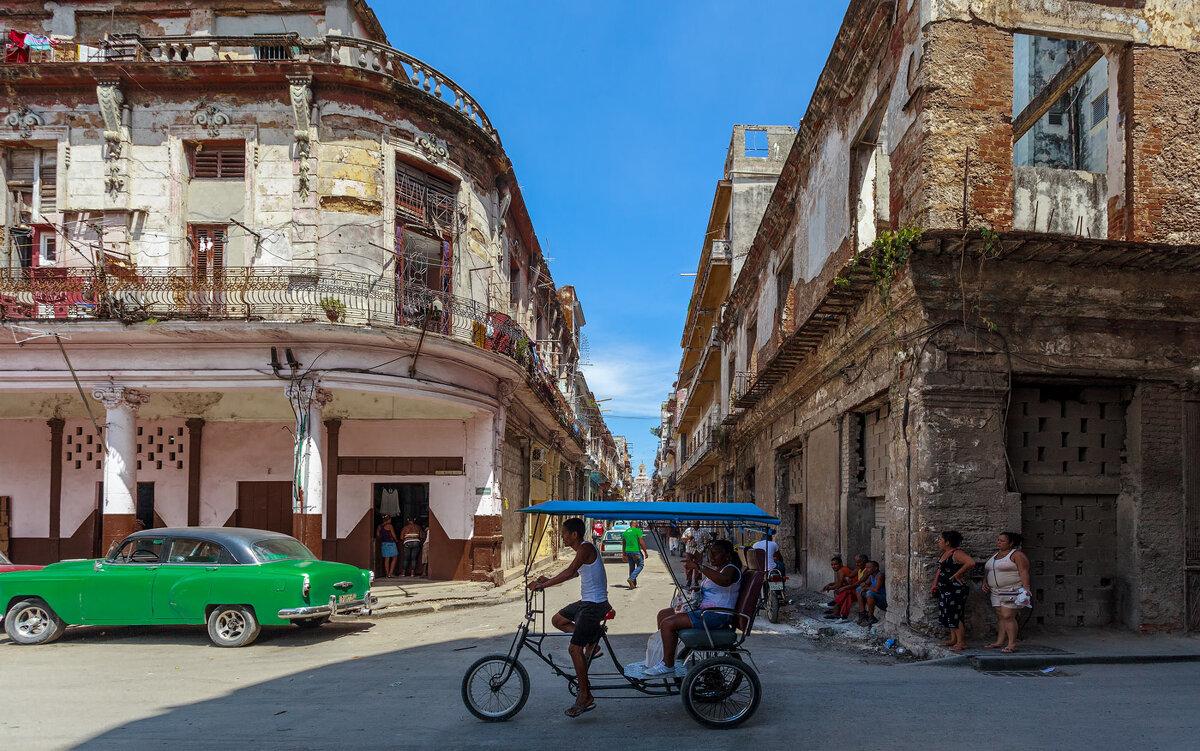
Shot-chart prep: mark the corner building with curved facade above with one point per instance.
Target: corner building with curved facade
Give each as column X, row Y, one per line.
column 271, row 279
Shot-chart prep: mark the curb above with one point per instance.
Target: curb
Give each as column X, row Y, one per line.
column 435, row 606
column 1025, row 662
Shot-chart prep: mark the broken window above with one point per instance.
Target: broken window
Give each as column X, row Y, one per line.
column 425, row 200
column 756, row 144
column 869, row 184
column 32, row 175
column 217, row 160
column 783, row 295
column 1060, row 133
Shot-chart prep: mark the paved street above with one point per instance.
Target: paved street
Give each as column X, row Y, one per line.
column 395, row 683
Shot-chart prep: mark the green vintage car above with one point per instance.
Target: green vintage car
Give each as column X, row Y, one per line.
column 234, row 580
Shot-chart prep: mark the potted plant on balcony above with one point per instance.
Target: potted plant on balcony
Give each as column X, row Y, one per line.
column 333, row 307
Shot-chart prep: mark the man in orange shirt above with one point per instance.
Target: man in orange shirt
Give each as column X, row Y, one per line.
column 843, row 593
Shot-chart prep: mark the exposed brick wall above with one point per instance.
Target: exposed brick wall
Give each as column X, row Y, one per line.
column 1164, row 145
column 968, row 75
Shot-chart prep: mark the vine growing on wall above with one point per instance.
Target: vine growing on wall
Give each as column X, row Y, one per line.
column 988, row 250
column 885, row 258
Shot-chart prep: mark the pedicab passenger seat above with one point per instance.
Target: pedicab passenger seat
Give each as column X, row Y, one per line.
column 743, row 617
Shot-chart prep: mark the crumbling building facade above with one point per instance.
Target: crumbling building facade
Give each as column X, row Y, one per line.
column 972, row 304
column 261, row 268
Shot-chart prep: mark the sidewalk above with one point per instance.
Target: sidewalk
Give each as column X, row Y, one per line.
column 405, row 596
column 1044, row 649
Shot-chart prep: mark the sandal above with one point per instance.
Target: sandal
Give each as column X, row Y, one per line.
column 991, row 646
column 575, row 710
column 1009, row 650
column 958, row 648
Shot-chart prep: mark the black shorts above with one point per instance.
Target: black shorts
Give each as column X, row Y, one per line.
column 587, row 617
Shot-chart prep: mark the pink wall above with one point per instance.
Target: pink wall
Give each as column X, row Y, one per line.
column 240, row 451
column 406, row 438
column 25, row 474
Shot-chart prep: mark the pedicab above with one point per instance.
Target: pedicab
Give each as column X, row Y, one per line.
column 714, row 673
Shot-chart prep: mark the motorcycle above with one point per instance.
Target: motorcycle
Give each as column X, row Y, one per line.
column 773, row 593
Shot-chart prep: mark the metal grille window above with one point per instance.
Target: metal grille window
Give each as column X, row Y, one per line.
column 424, row 199
column 271, row 52
column 217, row 160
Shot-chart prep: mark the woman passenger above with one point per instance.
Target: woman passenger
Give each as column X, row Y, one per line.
column 719, row 589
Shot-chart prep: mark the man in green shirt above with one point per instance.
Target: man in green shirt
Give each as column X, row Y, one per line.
column 635, row 552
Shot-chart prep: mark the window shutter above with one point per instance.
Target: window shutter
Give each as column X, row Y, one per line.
column 49, row 179
column 218, row 161
column 218, row 248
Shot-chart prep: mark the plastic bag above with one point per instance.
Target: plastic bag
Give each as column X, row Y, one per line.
column 654, row 649
column 683, row 597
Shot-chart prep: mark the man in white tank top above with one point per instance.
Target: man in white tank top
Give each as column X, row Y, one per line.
column 581, row 619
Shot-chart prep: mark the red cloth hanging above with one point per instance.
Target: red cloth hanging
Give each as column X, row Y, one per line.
column 15, row 50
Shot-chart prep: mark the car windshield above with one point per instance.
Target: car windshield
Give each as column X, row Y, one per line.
column 613, row 536
column 280, row 549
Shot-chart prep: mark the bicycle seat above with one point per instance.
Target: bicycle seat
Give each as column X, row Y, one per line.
column 609, row 615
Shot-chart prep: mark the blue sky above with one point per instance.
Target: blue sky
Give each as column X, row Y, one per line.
column 617, row 117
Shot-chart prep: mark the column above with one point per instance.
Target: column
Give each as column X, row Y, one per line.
column 333, row 428
column 120, row 460
column 488, row 534
column 195, row 429
column 56, row 466
column 308, row 477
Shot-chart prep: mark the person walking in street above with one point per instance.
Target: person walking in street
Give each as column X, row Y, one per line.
column 1006, row 581
column 951, row 588
column 673, row 538
column 411, row 536
column 387, row 545
column 597, row 532
column 635, row 552
column 581, row 619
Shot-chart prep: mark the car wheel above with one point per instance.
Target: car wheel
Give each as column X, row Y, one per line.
column 32, row 621
column 309, row 623
column 232, row 626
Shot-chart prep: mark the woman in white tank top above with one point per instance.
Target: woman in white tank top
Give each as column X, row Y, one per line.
column 1006, row 581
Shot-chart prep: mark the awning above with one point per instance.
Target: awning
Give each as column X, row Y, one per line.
column 676, row 511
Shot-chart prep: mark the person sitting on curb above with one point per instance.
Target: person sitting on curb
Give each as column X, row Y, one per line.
column 841, row 575
column 844, row 594
column 871, row 594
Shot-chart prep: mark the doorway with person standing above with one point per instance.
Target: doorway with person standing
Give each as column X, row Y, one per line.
column 404, row 502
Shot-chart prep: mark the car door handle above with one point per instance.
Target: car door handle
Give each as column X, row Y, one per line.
column 210, row 568
column 151, row 568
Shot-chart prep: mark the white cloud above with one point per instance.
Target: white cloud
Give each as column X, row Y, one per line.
column 637, row 381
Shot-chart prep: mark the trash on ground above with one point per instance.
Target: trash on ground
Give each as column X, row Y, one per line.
column 397, row 684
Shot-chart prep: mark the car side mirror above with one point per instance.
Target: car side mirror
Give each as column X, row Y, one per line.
column 98, row 566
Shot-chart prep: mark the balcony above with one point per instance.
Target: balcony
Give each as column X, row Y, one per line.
column 272, row 49
column 273, row 294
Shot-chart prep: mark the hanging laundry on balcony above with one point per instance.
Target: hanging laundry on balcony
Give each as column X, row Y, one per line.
column 15, row 50
column 39, row 43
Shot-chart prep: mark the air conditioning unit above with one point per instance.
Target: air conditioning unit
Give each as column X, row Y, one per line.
column 539, row 454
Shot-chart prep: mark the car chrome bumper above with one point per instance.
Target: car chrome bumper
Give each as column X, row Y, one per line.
column 333, row 608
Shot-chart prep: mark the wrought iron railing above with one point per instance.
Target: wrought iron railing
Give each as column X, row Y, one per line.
column 285, row 294
column 363, row 54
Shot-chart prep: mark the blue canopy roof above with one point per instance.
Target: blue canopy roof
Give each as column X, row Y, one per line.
column 741, row 513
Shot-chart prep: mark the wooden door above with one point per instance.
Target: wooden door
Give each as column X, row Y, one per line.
column 265, row 505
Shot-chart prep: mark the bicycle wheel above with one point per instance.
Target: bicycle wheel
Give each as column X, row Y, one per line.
column 495, row 688
column 721, row 692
